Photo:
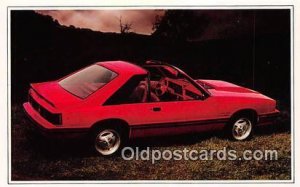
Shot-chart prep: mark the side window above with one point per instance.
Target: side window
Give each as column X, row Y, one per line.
column 168, row 84
column 133, row 91
column 180, row 90
column 191, row 93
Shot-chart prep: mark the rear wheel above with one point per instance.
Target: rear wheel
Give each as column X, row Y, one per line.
column 241, row 128
column 108, row 141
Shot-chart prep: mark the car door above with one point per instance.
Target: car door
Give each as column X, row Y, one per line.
column 177, row 117
column 191, row 113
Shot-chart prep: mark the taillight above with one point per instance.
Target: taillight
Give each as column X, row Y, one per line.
column 53, row 118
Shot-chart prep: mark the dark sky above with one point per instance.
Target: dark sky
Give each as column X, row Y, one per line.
column 222, row 23
column 106, row 20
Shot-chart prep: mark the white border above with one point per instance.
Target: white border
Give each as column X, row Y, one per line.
column 163, row 181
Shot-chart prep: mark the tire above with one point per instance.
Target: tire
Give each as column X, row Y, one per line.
column 240, row 128
column 108, row 141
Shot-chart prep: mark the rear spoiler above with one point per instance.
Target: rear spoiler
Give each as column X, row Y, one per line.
column 32, row 87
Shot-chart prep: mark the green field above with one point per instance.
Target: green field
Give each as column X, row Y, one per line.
column 34, row 158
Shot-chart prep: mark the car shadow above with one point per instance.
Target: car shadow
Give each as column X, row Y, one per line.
column 58, row 148
column 178, row 140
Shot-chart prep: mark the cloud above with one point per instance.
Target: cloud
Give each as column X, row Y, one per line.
column 106, row 20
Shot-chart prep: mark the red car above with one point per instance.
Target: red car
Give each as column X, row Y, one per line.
column 113, row 101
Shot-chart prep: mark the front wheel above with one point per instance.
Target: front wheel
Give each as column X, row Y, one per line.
column 107, row 141
column 241, row 128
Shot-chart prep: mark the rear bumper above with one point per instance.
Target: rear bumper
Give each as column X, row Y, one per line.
column 46, row 129
column 270, row 118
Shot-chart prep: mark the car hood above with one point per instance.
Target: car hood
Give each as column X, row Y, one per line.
column 223, row 88
column 54, row 94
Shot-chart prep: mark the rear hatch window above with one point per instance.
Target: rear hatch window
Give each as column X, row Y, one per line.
column 87, row 81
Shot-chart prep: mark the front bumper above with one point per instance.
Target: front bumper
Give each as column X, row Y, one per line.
column 47, row 129
column 270, row 118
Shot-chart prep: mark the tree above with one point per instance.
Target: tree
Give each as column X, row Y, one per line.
column 180, row 24
column 125, row 27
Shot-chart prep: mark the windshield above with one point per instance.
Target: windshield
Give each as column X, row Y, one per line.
column 88, row 80
column 158, row 72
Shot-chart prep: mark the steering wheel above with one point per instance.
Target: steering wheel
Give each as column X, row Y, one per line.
column 161, row 87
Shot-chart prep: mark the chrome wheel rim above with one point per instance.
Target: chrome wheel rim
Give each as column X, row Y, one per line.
column 107, row 142
column 242, row 129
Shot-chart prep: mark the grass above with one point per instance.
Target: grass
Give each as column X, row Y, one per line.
column 34, row 158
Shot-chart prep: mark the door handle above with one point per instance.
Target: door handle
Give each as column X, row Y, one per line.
column 156, row 109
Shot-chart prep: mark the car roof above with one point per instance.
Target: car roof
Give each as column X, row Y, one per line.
column 121, row 67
